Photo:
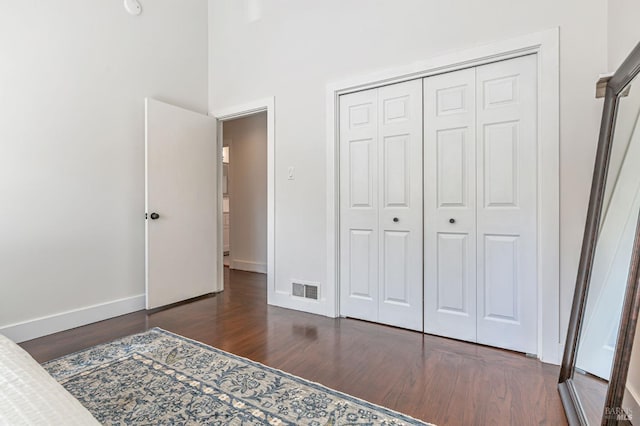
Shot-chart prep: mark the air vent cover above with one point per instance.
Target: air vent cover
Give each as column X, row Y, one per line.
column 308, row 291
column 297, row 289
column 311, row 291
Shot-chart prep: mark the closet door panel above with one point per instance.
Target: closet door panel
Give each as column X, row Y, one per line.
column 452, row 167
column 359, row 243
column 449, row 205
column 507, row 203
column 400, row 193
column 452, row 280
column 396, row 270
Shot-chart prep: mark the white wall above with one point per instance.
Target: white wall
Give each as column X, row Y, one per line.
column 623, row 35
column 248, row 191
column 73, row 78
column 623, row 30
column 295, row 48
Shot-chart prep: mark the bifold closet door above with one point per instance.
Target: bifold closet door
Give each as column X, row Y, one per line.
column 359, row 233
column 507, row 203
column 480, row 204
column 381, row 205
column 450, row 205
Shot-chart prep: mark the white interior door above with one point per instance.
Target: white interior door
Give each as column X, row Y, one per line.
column 381, row 205
column 181, row 243
column 400, row 199
column 480, row 204
column 450, row 205
column 506, row 118
column 359, row 205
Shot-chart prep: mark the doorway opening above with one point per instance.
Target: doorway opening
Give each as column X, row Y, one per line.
column 244, row 193
column 246, row 190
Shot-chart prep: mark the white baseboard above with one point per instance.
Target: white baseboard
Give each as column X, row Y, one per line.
column 44, row 326
column 248, row 265
column 284, row 299
column 631, row 405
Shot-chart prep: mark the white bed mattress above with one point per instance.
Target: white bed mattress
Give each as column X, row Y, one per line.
column 30, row 396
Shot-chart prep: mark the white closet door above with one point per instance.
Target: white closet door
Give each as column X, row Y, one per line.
column 450, row 205
column 381, row 205
column 400, row 197
column 359, row 205
column 506, row 197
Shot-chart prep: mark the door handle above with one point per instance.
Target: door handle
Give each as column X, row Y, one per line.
column 395, row 219
column 452, row 220
column 154, row 216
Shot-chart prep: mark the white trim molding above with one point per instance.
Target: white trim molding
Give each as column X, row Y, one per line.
column 238, row 111
column 50, row 324
column 545, row 45
column 248, row 265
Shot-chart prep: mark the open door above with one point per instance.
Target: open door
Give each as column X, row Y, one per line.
column 181, row 204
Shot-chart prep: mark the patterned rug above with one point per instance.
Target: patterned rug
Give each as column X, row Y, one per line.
column 158, row 377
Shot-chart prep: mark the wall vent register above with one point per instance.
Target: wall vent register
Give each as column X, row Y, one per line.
column 307, row 291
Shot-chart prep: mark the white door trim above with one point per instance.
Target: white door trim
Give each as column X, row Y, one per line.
column 545, row 44
column 238, row 111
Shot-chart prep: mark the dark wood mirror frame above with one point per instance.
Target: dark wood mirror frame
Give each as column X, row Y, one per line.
column 629, row 315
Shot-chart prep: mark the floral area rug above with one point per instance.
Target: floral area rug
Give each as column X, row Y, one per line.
column 158, row 377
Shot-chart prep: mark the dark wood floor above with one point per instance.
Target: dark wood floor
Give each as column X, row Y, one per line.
column 432, row 378
column 592, row 391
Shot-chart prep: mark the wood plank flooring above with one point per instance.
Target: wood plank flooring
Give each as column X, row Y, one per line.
column 438, row 380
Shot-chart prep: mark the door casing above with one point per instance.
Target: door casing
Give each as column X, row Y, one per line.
column 230, row 113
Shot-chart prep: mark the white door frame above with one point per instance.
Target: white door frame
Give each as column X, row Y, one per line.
column 545, row 45
column 238, row 111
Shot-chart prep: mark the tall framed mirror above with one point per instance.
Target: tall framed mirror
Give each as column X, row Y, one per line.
column 603, row 321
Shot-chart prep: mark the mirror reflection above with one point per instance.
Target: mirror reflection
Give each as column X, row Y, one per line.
column 621, row 205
